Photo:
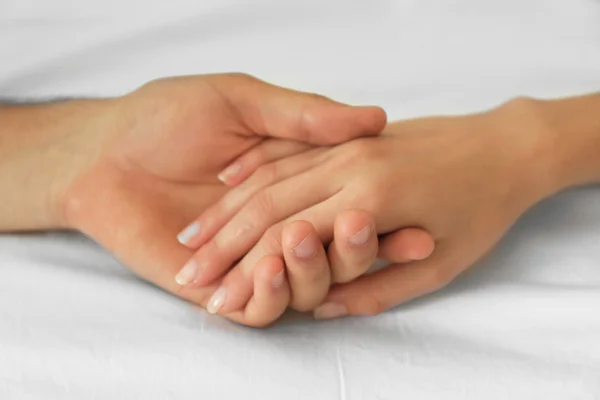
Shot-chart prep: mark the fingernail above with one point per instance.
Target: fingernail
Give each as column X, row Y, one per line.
column 217, row 300
column 187, row 273
column 189, row 233
column 330, row 310
column 361, row 237
column 278, row 280
column 306, row 248
column 230, row 172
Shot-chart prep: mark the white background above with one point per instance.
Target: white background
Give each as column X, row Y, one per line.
column 74, row 324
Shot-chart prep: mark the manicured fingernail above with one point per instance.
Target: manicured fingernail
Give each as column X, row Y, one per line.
column 330, row 310
column 190, row 232
column 306, row 248
column 230, row 172
column 361, row 237
column 278, row 280
column 188, row 273
column 217, row 300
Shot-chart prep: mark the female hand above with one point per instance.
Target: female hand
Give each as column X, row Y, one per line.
column 463, row 179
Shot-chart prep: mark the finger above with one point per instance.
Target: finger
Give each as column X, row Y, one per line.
column 265, row 152
column 158, row 246
column 239, row 279
column 267, row 208
column 354, row 247
column 408, row 244
column 215, row 217
column 270, row 299
column 162, row 255
column 386, row 288
column 307, row 265
column 270, row 110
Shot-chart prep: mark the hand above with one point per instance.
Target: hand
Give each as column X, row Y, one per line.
column 311, row 268
column 148, row 163
column 463, row 179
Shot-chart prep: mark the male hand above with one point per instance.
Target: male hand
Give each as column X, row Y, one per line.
column 148, row 164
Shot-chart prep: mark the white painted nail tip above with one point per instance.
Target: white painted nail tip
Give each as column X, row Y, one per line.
column 189, row 233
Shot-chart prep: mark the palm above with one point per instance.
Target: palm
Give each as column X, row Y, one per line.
column 190, row 135
column 157, row 176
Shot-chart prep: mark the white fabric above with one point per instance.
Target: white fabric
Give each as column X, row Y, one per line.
column 526, row 325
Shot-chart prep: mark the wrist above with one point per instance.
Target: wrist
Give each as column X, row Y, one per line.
column 523, row 143
column 575, row 128
column 547, row 145
column 51, row 148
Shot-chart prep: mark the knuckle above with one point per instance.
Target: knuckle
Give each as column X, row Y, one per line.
column 363, row 149
column 155, row 84
column 228, row 203
column 372, row 196
column 262, row 205
column 256, row 157
column 242, row 76
column 317, row 97
column 266, row 174
column 357, row 152
column 223, row 82
column 271, row 239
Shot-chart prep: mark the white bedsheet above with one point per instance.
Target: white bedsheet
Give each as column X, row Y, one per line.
column 74, row 324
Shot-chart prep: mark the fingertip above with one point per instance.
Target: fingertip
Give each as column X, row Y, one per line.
column 294, row 233
column 423, row 245
column 409, row 244
column 307, row 265
column 355, row 245
column 372, row 119
column 329, row 126
column 348, row 222
column 271, row 293
column 419, row 243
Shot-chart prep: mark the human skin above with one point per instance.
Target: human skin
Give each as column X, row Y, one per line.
column 130, row 171
column 465, row 179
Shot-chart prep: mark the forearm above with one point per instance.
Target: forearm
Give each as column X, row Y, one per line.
column 23, row 125
column 27, row 185
column 35, row 161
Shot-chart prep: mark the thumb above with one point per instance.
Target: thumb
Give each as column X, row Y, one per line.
column 268, row 110
column 407, row 244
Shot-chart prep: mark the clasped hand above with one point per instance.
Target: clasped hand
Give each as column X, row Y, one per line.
column 247, row 198
column 453, row 176
column 142, row 166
